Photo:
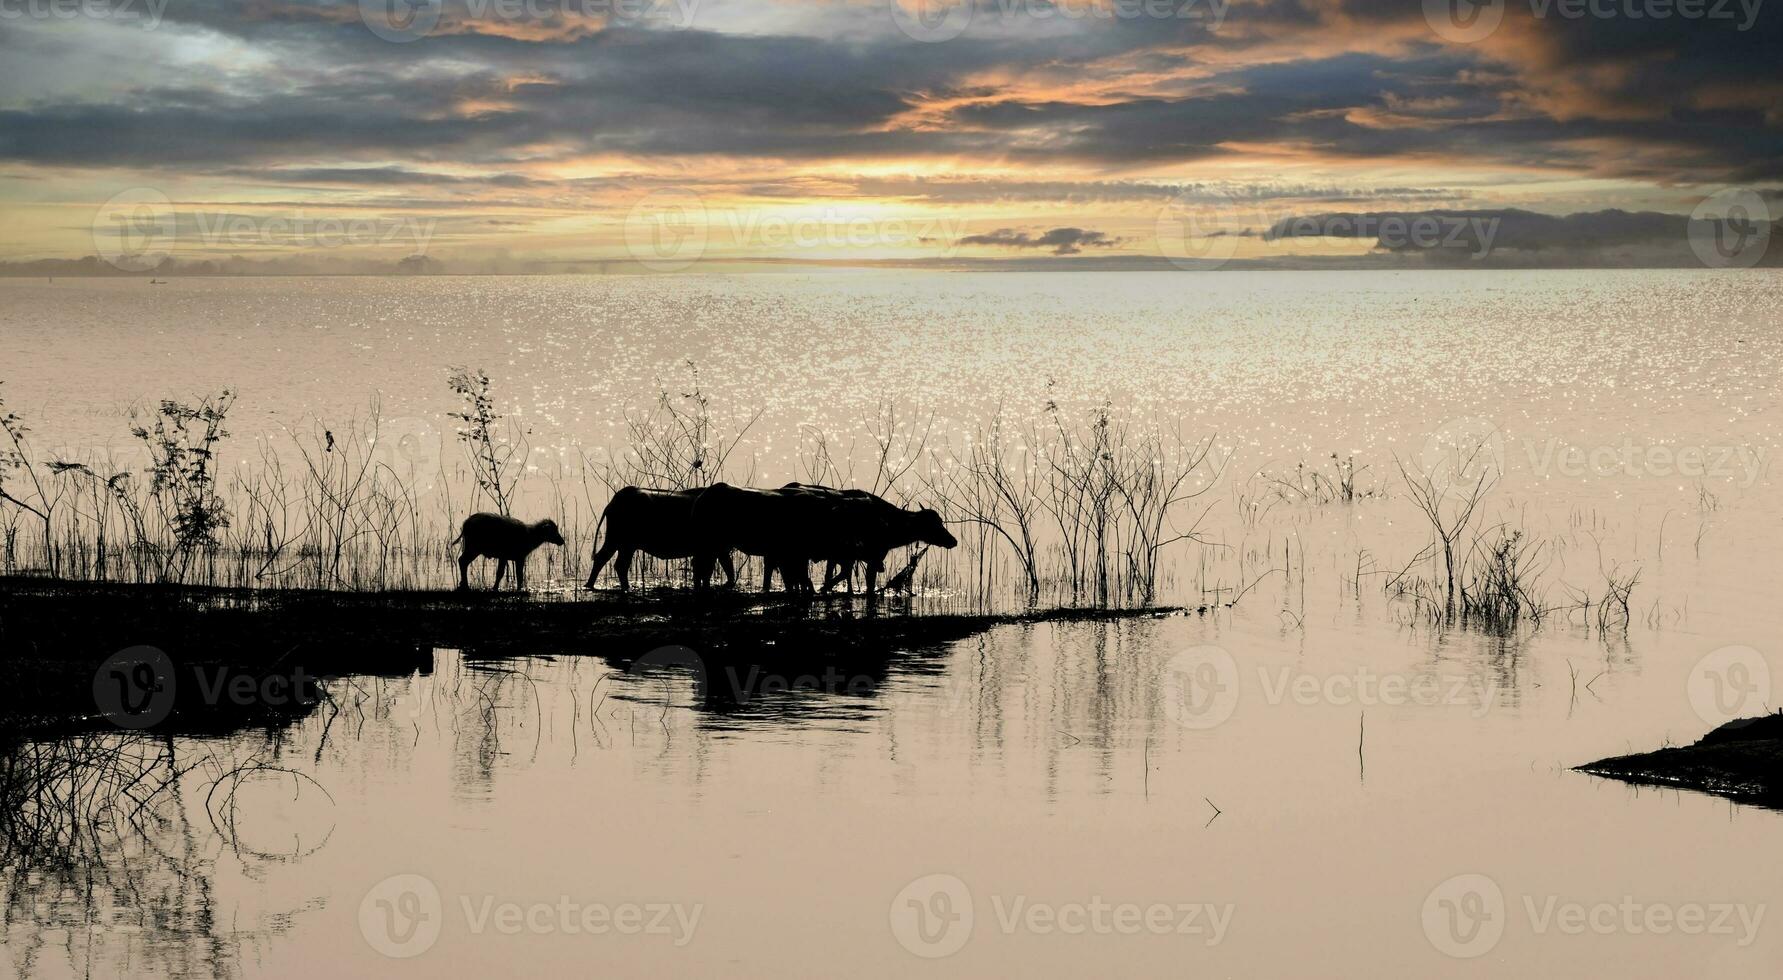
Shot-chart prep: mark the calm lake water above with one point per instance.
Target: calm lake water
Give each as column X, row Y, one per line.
column 1313, row 782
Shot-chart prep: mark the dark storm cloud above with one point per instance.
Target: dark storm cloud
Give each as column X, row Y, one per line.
column 987, row 191
column 676, row 93
column 379, row 177
column 1675, row 100
column 1062, row 241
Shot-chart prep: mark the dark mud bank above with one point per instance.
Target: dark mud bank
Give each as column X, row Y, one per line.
column 257, row 656
column 1742, row 760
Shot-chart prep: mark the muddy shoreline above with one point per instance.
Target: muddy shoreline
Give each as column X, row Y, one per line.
column 243, row 657
column 1742, row 761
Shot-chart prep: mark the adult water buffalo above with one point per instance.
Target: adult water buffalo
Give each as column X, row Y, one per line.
column 834, row 532
column 659, row 522
column 880, row 526
column 504, row 539
column 788, row 529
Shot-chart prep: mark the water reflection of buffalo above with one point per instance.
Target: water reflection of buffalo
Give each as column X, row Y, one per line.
column 658, row 522
column 798, row 524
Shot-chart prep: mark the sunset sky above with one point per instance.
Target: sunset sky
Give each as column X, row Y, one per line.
column 521, row 135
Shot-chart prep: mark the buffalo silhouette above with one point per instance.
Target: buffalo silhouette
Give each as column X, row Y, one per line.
column 659, row 522
column 880, row 526
column 504, row 539
column 796, row 524
column 788, row 529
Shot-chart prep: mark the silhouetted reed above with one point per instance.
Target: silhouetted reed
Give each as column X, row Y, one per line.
column 1070, row 507
column 1499, row 590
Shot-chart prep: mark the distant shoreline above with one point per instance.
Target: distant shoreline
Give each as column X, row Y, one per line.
column 780, row 266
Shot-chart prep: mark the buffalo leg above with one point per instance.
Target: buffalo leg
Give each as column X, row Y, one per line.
column 520, row 575
column 624, row 568
column 600, row 559
column 730, row 571
column 795, row 574
column 501, row 568
column 464, row 564
column 832, row 576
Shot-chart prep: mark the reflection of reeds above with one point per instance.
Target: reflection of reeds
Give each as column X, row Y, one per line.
column 97, row 850
column 74, row 795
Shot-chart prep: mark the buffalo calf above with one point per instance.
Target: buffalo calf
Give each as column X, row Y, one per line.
column 505, row 540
